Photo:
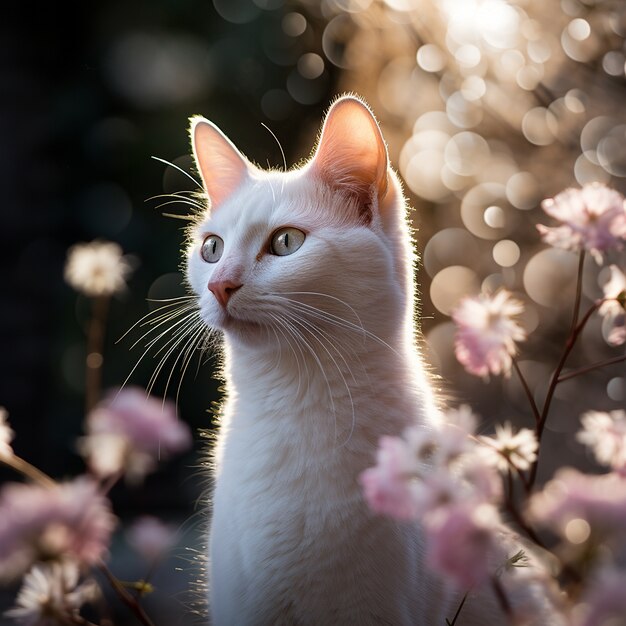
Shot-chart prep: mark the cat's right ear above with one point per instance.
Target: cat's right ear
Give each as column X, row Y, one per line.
column 222, row 167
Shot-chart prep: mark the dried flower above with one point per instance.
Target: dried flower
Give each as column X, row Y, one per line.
column 97, row 268
column 6, row 434
column 486, row 333
column 151, row 537
column 128, row 432
column 509, row 449
column 599, row 500
column 605, row 434
column 614, row 307
column 593, row 218
column 461, row 543
column 68, row 521
column 50, row 595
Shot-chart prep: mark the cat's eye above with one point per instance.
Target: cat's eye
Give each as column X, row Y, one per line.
column 286, row 241
column 212, row 248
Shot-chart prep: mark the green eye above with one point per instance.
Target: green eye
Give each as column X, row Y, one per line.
column 212, row 248
column 286, row 241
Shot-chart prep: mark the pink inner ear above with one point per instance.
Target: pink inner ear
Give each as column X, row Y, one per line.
column 351, row 152
column 222, row 167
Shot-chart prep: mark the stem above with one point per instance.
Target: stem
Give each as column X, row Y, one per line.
column 590, row 368
column 126, row 597
column 458, row 611
column 529, row 395
column 29, row 471
column 569, row 346
column 95, row 346
column 579, row 288
column 505, row 605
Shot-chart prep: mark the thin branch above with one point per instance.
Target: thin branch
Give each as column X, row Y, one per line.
column 125, row 596
column 579, row 289
column 569, row 346
column 590, row 368
column 26, row 469
column 529, row 395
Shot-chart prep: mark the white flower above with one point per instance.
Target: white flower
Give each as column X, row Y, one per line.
column 97, row 268
column 50, row 595
column 508, row 449
column 614, row 307
column 6, row 435
column 486, row 333
column 605, row 434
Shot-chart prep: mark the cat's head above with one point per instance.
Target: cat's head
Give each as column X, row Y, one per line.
column 278, row 254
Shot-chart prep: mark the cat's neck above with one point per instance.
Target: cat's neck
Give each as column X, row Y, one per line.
column 383, row 380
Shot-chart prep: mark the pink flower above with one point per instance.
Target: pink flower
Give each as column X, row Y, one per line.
column 614, row 307
column 605, row 601
column 570, row 495
column 509, row 449
column 461, row 543
column 51, row 595
column 151, row 537
column 605, row 434
column 68, row 521
column 593, row 218
column 129, row 432
column 6, row 435
column 387, row 485
column 486, row 333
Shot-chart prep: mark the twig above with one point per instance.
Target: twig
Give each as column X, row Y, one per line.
column 590, row 368
column 126, row 597
column 26, row 469
column 529, row 395
column 569, row 346
column 579, row 289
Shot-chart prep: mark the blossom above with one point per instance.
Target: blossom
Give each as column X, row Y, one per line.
column 67, row 521
column 128, row 432
column 461, row 543
column 6, row 434
column 599, row 500
column 387, row 485
column 509, row 449
column 605, row 434
column 50, row 594
column 97, row 268
column 486, row 333
column 151, row 537
column 614, row 306
column 593, row 218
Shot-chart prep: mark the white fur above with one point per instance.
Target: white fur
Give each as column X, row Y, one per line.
column 291, row 539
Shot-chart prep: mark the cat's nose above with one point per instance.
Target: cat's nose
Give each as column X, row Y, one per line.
column 223, row 290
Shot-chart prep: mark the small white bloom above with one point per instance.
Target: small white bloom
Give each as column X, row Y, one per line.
column 605, row 434
column 6, row 434
column 509, row 449
column 97, row 268
column 614, row 308
column 50, row 595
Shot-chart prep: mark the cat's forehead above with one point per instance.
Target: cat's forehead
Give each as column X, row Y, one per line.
column 269, row 201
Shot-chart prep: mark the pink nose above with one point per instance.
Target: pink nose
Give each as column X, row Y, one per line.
column 223, row 290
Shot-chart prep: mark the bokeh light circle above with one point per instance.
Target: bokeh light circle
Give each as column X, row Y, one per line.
column 450, row 285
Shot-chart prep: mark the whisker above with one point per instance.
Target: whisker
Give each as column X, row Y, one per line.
column 141, row 322
column 182, row 171
column 186, row 314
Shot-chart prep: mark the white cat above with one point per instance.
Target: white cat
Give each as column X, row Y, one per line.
column 309, row 274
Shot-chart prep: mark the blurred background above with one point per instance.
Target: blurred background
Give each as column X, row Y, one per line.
column 488, row 106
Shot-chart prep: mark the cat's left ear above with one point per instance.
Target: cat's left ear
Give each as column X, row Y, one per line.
column 222, row 167
column 351, row 153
